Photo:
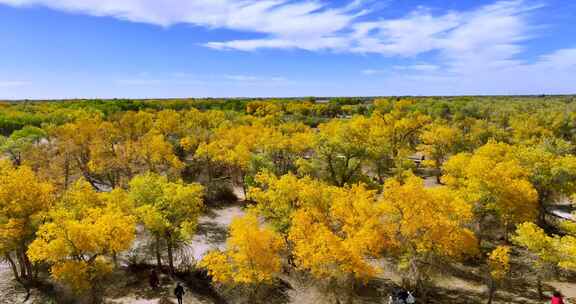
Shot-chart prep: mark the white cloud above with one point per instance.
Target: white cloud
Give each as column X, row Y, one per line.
column 285, row 18
column 561, row 59
column 12, row 83
column 189, row 79
column 422, row 67
column 372, row 72
column 252, row 78
column 175, row 80
column 551, row 73
column 491, row 31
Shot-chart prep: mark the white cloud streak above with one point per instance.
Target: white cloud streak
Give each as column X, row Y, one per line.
column 187, row 79
column 493, row 31
column 12, row 83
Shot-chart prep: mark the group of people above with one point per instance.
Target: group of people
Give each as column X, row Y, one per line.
column 401, row 296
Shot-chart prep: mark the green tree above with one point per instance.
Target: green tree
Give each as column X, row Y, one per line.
column 169, row 210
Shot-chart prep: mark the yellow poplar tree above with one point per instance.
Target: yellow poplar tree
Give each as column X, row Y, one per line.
column 82, row 235
column 246, row 148
column 24, row 203
column 340, row 148
column 169, row 210
column 74, row 142
column 552, row 175
column 493, row 181
column 499, row 267
column 157, row 155
column 425, row 225
column 335, row 235
column 392, row 138
column 438, row 142
column 135, row 124
column 547, row 251
column 278, row 197
column 253, row 255
column 20, row 142
column 234, row 147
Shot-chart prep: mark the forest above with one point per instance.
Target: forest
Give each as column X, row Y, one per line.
column 341, row 200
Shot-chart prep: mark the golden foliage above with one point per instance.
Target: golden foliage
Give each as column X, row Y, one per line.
column 339, row 239
column 167, row 207
column 24, row 202
column 253, row 254
column 82, row 231
column 424, row 221
column 493, row 180
column 552, row 250
column 499, row 262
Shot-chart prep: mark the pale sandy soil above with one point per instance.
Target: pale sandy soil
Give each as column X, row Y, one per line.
column 212, row 231
column 12, row 292
column 188, row 299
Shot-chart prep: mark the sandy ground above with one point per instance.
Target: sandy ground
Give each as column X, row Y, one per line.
column 188, row 299
column 212, row 231
column 12, row 292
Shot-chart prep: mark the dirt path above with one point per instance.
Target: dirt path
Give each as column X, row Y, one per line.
column 188, row 299
column 212, row 230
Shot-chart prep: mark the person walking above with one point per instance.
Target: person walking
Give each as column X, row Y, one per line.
column 179, row 292
column 557, row 298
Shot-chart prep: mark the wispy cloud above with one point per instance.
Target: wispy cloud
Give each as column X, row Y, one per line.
column 189, row 79
column 550, row 73
column 422, row 67
column 11, row 83
column 490, row 32
column 373, row 72
column 252, row 78
column 158, row 82
column 286, row 18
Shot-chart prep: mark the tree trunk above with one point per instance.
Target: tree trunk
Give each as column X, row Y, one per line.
column 541, row 220
column 95, row 295
column 25, row 265
column 29, row 267
column 158, row 253
column 350, row 290
column 491, row 291
column 252, row 295
column 419, row 283
column 243, row 181
column 115, row 259
column 13, row 266
column 169, row 246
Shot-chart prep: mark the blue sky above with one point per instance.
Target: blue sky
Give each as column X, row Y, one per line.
column 231, row 48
